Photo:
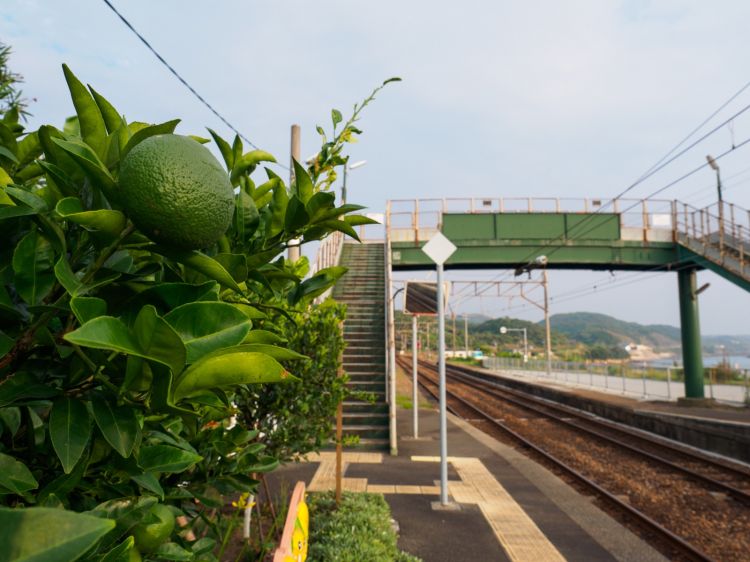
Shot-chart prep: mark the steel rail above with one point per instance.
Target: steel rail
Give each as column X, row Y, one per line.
column 674, row 540
column 533, row 404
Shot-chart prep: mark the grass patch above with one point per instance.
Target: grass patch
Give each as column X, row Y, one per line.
column 358, row 531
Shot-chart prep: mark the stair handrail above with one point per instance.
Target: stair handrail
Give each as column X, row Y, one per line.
column 328, row 255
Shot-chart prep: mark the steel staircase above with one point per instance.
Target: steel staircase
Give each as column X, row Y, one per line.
column 362, row 289
column 717, row 237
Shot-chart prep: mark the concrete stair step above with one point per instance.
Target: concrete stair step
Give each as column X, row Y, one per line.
column 358, row 406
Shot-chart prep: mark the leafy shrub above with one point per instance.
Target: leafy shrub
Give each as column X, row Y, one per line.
column 297, row 418
column 120, row 358
column 359, row 529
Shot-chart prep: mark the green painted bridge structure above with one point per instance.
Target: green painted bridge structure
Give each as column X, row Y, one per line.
column 589, row 234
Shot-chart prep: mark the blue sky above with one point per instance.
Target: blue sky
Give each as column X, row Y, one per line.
column 540, row 98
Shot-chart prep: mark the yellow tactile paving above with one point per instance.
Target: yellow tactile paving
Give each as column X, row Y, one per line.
column 514, row 529
column 408, row 489
column 430, row 490
column 354, row 484
column 381, row 489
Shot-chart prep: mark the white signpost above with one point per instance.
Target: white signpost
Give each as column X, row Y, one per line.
column 439, row 249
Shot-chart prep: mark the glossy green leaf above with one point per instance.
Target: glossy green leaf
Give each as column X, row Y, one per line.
column 248, row 217
column 66, row 277
column 118, row 425
column 146, row 132
column 173, row 551
column 229, row 367
column 120, row 553
column 278, row 353
column 303, row 184
column 357, row 220
column 224, row 148
column 263, row 336
column 235, row 264
column 106, row 332
column 171, row 295
column 23, row 386
column 29, row 149
column 208, row 326
column 41, row 534
column 11, row 420
column 27, row 198
column 33, row 261
column 318, row 284
column 150, row 482
column 319, row 204
column 6, row 344
column 15, row 477
column 88, row 308
column 340, row 226
column 200, row 263
column 90, row 118
column 108, row 221
column 69, row 430
column 9, row 212
column 165, row 458
column 278, row 210
column 336, row 117
column 92, row 166
column 6, row 153
column 156, row 338
column 248, row 161
column 296, row 215
column 112, row 119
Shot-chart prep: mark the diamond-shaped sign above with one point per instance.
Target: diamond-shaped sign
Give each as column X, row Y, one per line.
column 439, row 248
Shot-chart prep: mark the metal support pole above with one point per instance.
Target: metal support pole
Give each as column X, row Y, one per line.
column 525, row 348
column 669, row 383
column 547, row 330
column 390, row 383
column 414, row 375
column 293, row 250
column 692, row 358
column 441, row 378
column 466, row 334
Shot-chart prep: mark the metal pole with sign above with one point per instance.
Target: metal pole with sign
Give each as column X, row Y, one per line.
column 414, row 375
column 439, row 249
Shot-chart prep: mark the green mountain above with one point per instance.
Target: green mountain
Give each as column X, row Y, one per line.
column 591, row 328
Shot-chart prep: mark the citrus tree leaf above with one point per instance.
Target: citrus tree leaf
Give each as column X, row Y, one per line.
column 146, row 132
column 235, row 264
column 227, row 368
column 88, row 308
column 108, row 221
column 66, row 277
column 107, row 332
column 296, row 215
column 263, row 336
column 208, row 326
column 165, row 458
column 90, row 118
column 15, row 477
column 156, row 338
column 224, row 148
column 278, row 353
column 303, row 184
column 90, row 163
column 69, row 431
column 40, row 534
column 33, row 261
column 118, row 425
column 200, row 263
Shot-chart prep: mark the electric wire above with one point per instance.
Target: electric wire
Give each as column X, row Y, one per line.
column 181, row 79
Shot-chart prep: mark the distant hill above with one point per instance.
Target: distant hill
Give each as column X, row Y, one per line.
column 591, row 328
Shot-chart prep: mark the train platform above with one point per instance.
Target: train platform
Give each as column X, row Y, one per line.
column 507, row 507
column 708, row 425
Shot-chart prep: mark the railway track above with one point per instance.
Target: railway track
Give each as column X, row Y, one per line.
column 468, row 392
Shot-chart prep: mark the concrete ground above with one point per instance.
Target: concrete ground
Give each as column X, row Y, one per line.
column 509, row 507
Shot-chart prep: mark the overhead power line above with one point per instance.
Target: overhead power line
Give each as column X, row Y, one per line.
column 180, row 78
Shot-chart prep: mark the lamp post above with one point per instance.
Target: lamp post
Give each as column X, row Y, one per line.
column 504, row 330
column 715, row 167
column 349, row 167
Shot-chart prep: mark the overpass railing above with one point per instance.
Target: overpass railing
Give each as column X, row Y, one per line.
column 416, row 220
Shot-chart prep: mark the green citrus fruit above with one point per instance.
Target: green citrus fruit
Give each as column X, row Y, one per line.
column 176, row 192
column 150, row 534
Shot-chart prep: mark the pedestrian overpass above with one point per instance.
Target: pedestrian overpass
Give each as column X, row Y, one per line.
column 590, row 234
column 511, row 233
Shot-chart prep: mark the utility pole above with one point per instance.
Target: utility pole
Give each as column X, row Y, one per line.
column 293, row 250
column 466, row 334
column 547, row 337
column 453, row 315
